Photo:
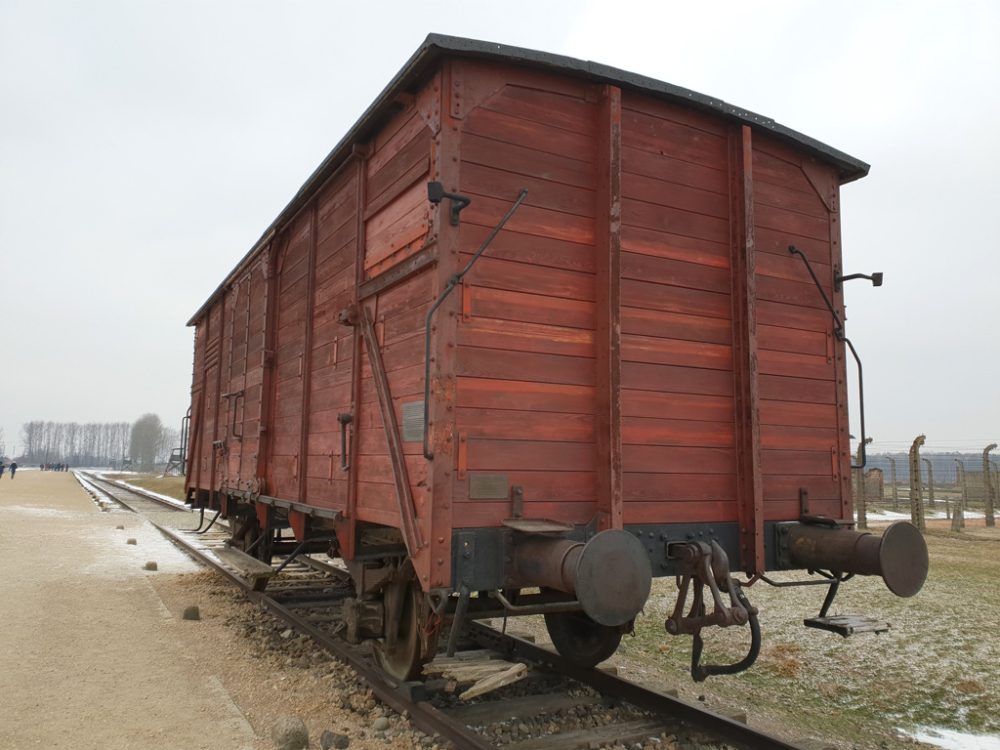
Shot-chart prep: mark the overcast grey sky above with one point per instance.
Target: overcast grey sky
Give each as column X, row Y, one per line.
column 144, row 146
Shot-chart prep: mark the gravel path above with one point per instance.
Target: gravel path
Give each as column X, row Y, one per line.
column 89, row 655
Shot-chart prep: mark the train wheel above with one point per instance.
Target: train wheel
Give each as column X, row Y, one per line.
column 399, row 653
column 579, row 638
column 246, row 533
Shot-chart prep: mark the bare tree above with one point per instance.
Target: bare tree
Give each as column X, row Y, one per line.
column 146, row 439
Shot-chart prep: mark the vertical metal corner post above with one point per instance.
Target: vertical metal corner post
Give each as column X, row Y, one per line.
column 214, row 499
column 434, row 568
column 746, row 398
column 608, row 311
column 267, row 388
column 347, row 527
column 307, row 352
column 841, row 458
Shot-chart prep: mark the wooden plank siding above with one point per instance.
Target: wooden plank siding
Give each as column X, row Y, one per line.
column 803, row 406
column 526, row 358
column 679, row 439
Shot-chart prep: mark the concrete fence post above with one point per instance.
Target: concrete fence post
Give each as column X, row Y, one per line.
column 988, row 485
column 916, row 495
column 930, row 482
column 958, row 516
column 892, row 478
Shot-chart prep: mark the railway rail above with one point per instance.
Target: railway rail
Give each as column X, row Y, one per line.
column 307, row 594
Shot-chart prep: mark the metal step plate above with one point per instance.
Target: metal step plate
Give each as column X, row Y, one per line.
column 846, row 625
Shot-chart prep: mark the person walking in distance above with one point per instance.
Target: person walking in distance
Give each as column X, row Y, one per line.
column 13, row 468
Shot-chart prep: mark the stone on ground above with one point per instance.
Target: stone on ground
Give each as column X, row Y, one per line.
column 131, row 541
column 332, row 740
column 151, row 565
column 192, row 613
column 290, row 733
column 380, row 724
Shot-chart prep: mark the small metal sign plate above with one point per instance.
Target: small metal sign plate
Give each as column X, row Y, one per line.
column 488, row 487
column 413, row 422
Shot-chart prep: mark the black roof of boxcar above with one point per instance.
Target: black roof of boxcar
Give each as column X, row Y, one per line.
column 436, row 46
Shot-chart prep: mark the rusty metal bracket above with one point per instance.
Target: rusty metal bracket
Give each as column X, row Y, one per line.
column 401, row 479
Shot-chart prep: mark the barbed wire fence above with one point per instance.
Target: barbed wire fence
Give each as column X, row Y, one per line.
column 943, row 480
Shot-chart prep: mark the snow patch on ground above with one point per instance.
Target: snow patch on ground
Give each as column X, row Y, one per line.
column 165, row 498
column 951, row 739
column 893, row 515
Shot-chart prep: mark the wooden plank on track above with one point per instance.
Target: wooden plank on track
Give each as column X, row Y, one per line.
column 490, row 712
column 627, row 733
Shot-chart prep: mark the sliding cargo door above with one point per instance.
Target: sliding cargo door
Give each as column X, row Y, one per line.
column 288, row 366
column 242, row 378
column 332, row 345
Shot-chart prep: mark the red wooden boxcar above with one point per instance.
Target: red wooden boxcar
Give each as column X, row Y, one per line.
column 635, row 378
